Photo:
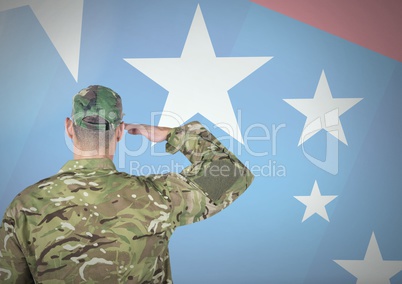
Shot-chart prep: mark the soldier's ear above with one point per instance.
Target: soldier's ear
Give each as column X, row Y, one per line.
column 69, row 127
column 120, row 131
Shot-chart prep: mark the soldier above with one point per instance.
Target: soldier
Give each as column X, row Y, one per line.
column 92, row 223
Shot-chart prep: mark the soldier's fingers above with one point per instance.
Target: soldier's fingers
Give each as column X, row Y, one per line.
column 136, row 129
column 128, row 126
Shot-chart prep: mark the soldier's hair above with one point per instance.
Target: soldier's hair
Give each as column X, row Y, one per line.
column 93, row 140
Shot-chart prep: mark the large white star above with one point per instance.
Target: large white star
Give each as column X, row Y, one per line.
column 323, row 111
column 62, row 22
column 315, row 203
column 372, row 269
column 198, row 81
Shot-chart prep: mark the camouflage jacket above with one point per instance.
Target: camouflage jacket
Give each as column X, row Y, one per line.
column 92, row 224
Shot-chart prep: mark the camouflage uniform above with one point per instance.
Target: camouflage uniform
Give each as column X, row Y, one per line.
column 97, row 102
column 92, row 224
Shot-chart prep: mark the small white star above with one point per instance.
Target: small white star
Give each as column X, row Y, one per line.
column 62, row 22
column 315, row 203
column 323, row 111
column 198, row 81
column 372, row 269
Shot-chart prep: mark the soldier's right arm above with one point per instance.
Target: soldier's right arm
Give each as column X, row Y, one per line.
column 13, row 265
column 215, row 178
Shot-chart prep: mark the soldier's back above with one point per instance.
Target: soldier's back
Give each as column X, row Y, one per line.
column 90, row 223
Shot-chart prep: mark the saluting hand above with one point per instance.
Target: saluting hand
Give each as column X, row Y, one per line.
column 152, row 133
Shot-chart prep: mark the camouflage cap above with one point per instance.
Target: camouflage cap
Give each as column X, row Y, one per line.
column 97, row 108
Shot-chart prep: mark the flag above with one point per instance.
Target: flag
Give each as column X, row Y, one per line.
column 305, row 93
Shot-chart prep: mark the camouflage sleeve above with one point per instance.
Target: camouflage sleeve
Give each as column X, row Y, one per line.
column 214, row 179
column 13, row 265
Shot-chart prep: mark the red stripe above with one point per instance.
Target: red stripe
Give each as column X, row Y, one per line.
column 374, row 24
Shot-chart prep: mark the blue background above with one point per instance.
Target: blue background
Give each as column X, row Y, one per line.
column 260, row 238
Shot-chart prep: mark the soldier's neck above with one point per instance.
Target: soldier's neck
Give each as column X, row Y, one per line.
column 80, row 157
column 80, row 154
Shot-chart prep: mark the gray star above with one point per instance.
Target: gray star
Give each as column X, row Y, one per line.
column 62, row 22
column 372, row 269
column 320, row 111
column 201, row 78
